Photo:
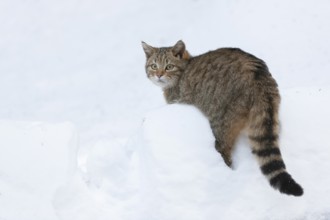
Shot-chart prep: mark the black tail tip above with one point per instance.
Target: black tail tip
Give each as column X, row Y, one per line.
column 286, row 184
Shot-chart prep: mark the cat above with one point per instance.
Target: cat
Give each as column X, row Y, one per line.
column 235, row 91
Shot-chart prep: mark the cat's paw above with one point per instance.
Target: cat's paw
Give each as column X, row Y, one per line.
column 228, row 161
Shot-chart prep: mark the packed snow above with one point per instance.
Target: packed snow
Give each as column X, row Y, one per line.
column 84, row 134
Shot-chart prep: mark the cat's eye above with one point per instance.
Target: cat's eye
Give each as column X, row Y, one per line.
column 169, row 67
column 153, row 66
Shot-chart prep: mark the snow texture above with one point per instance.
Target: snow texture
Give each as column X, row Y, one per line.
column 84, row 135
column 36, row 158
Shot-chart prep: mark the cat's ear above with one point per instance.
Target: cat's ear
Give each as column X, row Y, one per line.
column 149, row 50
column 179, row 49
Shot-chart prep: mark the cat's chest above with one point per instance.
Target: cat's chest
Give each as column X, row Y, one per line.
column 181, row 94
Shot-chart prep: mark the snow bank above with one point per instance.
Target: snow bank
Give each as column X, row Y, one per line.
column 36, row 158
column 170, row 170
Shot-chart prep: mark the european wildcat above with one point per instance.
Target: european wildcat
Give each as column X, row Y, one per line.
column 234, row 90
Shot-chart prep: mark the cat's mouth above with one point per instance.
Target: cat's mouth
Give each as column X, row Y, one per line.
column 162, row 82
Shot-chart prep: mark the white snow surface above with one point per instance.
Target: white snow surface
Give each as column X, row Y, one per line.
column 84, row 135
column 36, row 159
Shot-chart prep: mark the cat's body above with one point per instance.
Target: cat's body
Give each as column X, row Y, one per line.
column 235, row 91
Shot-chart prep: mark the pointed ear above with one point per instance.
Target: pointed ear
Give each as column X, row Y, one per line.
column 149, row 50
column 179, row 49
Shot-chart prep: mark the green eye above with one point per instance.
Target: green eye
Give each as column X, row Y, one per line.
column 154, row 66
column 169, row 67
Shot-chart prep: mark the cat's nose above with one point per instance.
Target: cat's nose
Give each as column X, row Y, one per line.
column 159, row 74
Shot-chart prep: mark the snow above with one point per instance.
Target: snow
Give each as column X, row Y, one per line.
column 84, row 135
column 36, row 158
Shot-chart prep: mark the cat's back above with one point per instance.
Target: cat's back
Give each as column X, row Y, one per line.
column 222, row 73
column 227, row 61
column 226, row 54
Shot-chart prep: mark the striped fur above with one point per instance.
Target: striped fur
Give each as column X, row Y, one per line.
column 234, row 90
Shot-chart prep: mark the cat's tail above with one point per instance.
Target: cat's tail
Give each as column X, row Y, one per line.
column 263, row 128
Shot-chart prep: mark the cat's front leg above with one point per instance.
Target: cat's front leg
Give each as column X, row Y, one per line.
column 225, row 153
column 226, row 134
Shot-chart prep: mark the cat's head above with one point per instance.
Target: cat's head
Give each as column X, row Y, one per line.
column 164, row 65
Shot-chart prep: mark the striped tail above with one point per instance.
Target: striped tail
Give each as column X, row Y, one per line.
column 263, row 134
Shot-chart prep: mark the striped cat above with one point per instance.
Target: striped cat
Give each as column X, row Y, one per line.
column 234, row 90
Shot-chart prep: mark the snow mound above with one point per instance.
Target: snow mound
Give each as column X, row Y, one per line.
column 36, row 158
column 179, row 164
